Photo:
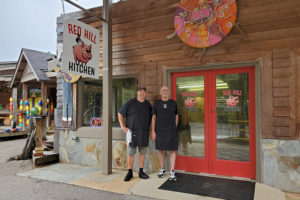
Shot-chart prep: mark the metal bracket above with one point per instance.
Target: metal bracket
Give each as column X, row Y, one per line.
column 85, row 10
column 237, row 25
column 202, row 53
column 170, row 36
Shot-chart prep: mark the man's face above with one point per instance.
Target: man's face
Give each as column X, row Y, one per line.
column 141, row 94
column 164, row 92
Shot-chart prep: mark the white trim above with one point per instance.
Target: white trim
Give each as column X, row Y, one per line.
column 51, row 74
column 18, row 65
column 31, row 67
column 17, row 68
column 9, row 68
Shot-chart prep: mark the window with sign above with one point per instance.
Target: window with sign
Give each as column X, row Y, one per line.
column 92, row 105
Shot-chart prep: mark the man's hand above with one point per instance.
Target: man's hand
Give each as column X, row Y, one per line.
column 153, row 135
column 125, row 129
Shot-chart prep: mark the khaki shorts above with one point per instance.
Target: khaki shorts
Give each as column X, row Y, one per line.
column 132, row 150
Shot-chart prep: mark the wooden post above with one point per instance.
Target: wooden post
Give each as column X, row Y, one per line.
column 15, row 103
column 39, row 151
column 107, row 87
column 44, row 91
column 25, row 98
column 74, row 106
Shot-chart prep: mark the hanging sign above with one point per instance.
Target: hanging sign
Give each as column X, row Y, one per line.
column 80, row 49
column 204, row 23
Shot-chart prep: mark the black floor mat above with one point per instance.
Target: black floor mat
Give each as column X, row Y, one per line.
column 212, row 187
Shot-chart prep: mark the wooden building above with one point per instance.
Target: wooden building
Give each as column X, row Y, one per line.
column 33, row 81
column 258, row 62
column 7, row 70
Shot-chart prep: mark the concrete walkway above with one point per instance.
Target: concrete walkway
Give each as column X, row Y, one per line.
column 93, row 178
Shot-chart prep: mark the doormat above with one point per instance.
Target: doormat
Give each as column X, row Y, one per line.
column 210, row 186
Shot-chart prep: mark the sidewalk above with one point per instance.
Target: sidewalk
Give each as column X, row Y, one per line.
column 93, row 178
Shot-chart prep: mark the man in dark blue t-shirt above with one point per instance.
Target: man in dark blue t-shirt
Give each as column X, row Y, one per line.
column 137, row 112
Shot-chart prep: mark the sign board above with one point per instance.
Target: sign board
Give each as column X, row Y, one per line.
column 80, row 49
column 96, row 122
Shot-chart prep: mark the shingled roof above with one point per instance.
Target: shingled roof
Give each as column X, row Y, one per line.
column 38, row 62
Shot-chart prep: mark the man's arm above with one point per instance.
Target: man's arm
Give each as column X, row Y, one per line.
column 176, row 120
column 121, row 120
column 153, row 134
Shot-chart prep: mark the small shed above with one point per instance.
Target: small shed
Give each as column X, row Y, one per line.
column 33, row 82
column 7, row 70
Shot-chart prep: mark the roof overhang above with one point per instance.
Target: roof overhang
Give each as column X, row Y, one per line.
column 21, row 67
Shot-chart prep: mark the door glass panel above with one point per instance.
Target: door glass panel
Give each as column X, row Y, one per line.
column 232, row 107
column 190, row 102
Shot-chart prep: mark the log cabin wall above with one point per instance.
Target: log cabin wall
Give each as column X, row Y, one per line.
column 270, row 35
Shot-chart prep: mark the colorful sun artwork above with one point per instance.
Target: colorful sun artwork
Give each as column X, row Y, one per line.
column 204, row 23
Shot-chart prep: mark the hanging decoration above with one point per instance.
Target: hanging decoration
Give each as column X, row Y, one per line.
column 52, row 108
column 40, row 107
column 20, row 114
column 11, row 107
column 204, row 23
column 27, row 108
column 47, row 105
column 20, row 120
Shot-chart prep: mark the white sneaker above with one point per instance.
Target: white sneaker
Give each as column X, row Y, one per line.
column 172, row 176
column 161, row 172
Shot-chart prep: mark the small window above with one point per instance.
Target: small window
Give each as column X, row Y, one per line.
column 123, row 90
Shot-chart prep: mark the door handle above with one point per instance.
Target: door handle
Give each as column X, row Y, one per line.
column 213, row 110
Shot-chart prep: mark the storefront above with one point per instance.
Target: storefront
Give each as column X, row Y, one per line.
column 33, row 85
column 217, row 121
column 238, row 100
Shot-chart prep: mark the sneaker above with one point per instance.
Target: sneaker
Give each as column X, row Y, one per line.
column 142, row 175
column 172, row 176
column 161, row 172
column 128, row 176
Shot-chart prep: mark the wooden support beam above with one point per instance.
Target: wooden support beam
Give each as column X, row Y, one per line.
column 39, row 151
column 15, row 103
column 85, row 10
column 74, row 108
column 44, row 93
column 25, row 98
column 107, row 87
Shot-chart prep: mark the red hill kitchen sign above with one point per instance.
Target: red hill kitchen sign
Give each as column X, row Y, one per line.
column 80, row 49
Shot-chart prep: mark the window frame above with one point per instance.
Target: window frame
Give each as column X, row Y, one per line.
column 78, row 101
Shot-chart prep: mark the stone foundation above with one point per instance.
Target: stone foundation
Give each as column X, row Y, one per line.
column 87, row 152
column 280, row 158
column 281, row 164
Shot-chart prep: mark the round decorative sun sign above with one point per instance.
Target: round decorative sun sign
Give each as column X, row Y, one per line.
column 204, row 23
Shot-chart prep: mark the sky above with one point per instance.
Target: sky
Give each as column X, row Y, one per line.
column 32, row 24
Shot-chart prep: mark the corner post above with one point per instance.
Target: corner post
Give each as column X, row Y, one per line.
column 107, row 87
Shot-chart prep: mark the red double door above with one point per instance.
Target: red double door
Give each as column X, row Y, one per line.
column 216, row 121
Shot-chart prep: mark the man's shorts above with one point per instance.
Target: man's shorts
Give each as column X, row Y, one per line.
column 132, row 150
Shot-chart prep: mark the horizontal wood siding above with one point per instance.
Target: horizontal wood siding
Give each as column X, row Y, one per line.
column 270, row 33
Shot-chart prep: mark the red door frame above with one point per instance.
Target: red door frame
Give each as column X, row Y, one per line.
column 195, row 164
column 210, row 164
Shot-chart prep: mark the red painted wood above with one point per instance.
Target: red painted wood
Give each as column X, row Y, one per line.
column 210, row 164
column 194, row 164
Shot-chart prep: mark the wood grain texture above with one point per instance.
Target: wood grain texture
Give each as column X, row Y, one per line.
column 272, row 29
